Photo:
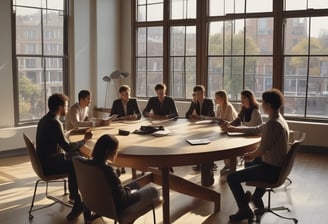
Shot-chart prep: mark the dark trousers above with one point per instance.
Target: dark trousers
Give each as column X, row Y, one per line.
column 254, row 171
column 207, row 175
column 59, row 166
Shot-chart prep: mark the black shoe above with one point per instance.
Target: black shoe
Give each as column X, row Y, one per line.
column 259, row 211
column 196, row 168
column 76, row 211
column 242, row 214
column 89, row 216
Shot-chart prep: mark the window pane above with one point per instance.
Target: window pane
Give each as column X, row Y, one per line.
column 306, row 4
column 53, row 33
column 30, row 88
column 152, row 79
column 295, row 4
column 236, row 6
column 183, row 9
column 190, row 75
column 141, row 64
column 177, row 40
column 317, row 87
column 294, row 106
column 154, row 1
column 233, row 76
column 140, row 2
column 215, row 43
column 55, row 4
column 155, row 41
column 258, row 74
column 258, row 6
column 141, row 86
column 295, row 84
column 35, row 3
column 178, row 79
column 234, row 37
column 296, row 36
column 317, row 4
column 216, row 7
column 28, row 31
column 141, row 13
column 141, row 42
column 319, row 35
column 215, row 75
column 154, row 12
column 155, row 64
column 190, row 40
column 259, row 36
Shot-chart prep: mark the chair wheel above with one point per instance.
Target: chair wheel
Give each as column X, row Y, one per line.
column 295, row 221
column 30, row 217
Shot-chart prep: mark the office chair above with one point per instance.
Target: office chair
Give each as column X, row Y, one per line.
column 97, row 194
column 36, row 165
column 282, row 179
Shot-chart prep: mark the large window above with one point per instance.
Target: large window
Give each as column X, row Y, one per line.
column 233, row 45
column 306, row 59
column 40, row 55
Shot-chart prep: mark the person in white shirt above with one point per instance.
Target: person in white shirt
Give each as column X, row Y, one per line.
column 264, row 163
column 224, row 109
column 78, row 114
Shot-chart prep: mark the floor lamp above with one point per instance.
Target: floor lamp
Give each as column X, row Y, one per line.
column 108, row 79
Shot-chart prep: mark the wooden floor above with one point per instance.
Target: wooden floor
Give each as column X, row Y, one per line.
column 307, row 196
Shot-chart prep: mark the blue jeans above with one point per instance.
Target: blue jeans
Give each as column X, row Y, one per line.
column 256, row 170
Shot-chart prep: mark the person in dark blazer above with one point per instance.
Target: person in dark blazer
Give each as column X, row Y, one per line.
column 125, row 107
column 200, row 107
column 160, row 106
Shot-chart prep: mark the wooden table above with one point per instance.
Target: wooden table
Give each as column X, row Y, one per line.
column 144, row 152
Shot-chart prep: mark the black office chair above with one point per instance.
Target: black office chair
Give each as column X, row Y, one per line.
column 36, row 165
column 283, row 179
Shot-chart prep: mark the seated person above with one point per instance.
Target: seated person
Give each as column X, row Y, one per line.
column 126, row 108
column 50, row 141
column 162, row 106
column 225, row 111
column 78, row 114
column 249, row 116
column 267, row 158
column 201, row 107
column 106, row 149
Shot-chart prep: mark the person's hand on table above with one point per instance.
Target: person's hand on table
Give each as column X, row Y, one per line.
column 87, row 135
column 132, row 117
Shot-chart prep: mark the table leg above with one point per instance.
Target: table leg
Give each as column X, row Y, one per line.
column 183, row 186
column 166, row 194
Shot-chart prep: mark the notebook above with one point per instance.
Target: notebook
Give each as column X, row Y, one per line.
column 198, row 141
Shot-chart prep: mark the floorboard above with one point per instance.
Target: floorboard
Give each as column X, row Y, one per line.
column 306, row 197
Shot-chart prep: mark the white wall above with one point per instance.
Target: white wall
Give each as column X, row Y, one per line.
column 108, row 48
column 6, row 80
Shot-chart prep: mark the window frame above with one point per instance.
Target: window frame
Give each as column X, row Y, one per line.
column 279, row 15
column 44, row 57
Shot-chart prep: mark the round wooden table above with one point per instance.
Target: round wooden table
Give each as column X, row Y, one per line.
column 144, row 152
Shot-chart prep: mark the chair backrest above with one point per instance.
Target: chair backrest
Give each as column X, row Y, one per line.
column 35, row 161
column 94, row 187
column 289, row 160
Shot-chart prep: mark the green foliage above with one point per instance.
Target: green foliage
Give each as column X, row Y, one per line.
column 29, row 93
